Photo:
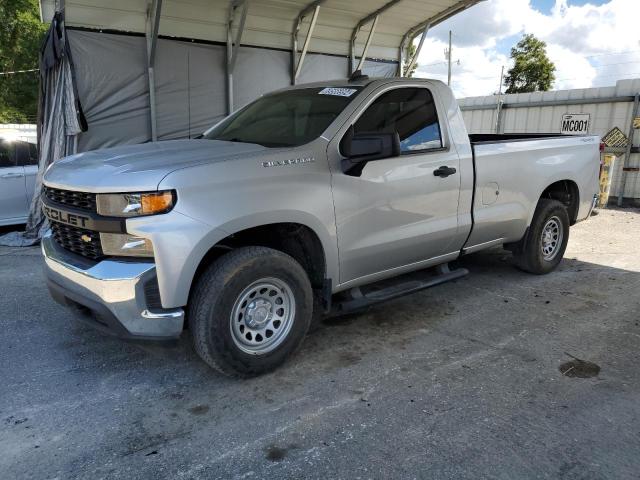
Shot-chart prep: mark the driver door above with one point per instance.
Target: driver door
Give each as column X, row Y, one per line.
column 397, row 214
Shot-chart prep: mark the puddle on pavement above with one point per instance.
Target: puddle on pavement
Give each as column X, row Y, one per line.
column 276, row 454
column 199, row 409
column 577, row 368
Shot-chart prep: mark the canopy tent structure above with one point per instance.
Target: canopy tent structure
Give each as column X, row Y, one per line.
column 147, row 70
column 162, row 69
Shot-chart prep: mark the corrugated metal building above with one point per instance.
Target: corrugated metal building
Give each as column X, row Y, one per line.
column 541, row 112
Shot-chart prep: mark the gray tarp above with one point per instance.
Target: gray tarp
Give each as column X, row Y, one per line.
column 190, row 81
column 60, row 120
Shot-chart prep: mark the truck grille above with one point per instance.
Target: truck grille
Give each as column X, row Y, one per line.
column 81, row 200
column 73, row 239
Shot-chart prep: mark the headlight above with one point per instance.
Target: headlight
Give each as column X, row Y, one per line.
column 134, row 204
column 123, row 244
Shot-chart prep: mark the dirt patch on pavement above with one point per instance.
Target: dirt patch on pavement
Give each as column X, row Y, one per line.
column 577, row 368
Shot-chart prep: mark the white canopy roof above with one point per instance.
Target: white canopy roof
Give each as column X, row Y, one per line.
column 270, row 23
column 386, row 28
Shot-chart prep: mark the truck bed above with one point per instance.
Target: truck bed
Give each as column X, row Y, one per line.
column 512, row 170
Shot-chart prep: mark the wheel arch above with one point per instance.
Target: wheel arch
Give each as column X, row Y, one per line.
column 567, row 192
column 564, row 190
column 307, row 245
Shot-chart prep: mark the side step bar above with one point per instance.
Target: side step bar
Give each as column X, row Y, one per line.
column 362, row 297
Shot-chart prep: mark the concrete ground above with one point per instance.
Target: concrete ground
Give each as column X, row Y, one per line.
column 465, row 380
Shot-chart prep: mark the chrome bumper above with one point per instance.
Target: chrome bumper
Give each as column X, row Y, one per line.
column 113, row 290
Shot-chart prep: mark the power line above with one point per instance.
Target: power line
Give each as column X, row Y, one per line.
column 455, row 62
column 19, row 71
column 611, row 64
column 612, row 53
column 600, row 76
column 433, row 64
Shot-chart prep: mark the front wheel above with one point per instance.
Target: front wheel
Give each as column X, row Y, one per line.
column 250, row 310
column 546, row 239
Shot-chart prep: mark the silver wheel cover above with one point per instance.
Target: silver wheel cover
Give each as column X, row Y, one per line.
column 551, row 238
column 262, row 316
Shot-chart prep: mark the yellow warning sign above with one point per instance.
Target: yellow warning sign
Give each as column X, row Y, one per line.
column 615, row 138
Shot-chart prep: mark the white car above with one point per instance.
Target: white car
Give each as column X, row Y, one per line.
column 18, row 169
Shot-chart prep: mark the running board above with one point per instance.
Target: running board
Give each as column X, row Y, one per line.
column 361, row 297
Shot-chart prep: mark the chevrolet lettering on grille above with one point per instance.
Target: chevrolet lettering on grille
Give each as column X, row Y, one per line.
column 65, row 217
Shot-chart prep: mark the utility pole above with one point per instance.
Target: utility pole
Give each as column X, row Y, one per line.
column 449, row 60
column 499, row 105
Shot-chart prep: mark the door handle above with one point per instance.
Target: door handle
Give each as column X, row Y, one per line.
column 12, row 175
column 444, row 171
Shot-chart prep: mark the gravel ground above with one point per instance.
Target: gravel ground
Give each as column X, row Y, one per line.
column 466, row 380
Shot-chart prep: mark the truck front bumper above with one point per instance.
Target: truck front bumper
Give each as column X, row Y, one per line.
column 116, row 296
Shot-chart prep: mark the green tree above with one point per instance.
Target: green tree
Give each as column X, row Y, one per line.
column 21, row 34
column 532, row 70
column 411, row 50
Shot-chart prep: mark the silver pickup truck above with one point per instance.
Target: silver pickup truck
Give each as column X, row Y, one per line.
column 316, row 198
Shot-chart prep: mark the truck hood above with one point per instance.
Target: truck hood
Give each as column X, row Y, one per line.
column 139, row 167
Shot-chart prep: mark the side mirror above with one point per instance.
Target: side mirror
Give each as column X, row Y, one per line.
column 361, row 148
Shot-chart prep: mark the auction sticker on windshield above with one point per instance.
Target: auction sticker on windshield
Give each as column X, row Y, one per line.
column 340, row 92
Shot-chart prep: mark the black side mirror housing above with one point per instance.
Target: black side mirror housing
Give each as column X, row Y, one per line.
column 361, row 148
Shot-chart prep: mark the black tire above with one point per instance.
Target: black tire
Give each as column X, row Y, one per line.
column 215, row 294
column 530, row 257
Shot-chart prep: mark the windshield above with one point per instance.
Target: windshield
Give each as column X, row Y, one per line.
column 285, row 119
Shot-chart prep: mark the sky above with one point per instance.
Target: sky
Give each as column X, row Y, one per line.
column 593, row 43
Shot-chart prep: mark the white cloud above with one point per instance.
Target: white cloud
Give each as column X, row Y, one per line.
column 583, row 42
column 572, row 71
column 484, row 23
column 475, row 70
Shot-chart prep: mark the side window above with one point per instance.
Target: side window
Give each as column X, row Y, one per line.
column 26, row 153
column 409, row 111
column 33, row 154
column 7, row 154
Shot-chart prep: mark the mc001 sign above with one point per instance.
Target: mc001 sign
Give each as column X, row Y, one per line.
column 575, row 124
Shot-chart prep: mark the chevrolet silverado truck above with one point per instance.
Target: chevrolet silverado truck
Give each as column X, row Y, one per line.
column 325, row 198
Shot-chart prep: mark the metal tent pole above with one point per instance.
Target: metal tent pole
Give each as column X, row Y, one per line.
column 372, row 17
column 499, row 104
column 366, row 45
column 154, row 9
column 449, row 61
column 296, row 63
column 431, row 22
column 627, row 153
column 416, row 54
column 234, row 47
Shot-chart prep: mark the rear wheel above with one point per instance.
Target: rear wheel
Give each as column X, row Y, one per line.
column 250, row 310
column 546, row 241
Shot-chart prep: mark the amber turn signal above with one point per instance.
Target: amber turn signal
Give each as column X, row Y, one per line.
column 156, row 202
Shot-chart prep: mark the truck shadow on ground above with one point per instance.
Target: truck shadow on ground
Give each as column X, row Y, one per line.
column 496, row 310
column 494, row 288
